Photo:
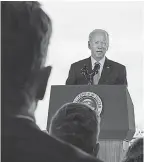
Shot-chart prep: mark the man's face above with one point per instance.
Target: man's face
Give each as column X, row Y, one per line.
column 98, row 45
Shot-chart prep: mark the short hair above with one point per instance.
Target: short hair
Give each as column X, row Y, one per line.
column 77, row 124
column 135, row 151
column 97, row 31
column 26, row 31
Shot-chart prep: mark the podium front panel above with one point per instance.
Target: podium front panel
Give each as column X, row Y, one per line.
column 115, row 115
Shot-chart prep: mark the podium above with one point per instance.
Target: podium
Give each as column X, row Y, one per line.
column 117, row 116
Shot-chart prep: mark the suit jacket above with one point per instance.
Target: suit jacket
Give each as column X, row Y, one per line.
column 112, row 73
column 23, row 141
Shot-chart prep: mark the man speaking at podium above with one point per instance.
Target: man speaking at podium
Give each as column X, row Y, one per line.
column 97, row 69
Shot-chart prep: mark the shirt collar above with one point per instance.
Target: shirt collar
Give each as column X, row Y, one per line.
column 25, row 117
column 93, row 61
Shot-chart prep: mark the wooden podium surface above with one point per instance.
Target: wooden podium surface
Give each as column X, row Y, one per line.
column 111, row 150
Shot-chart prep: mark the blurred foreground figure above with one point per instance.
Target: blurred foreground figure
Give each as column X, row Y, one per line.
column 26, row 31
column 135, row 151
column 77, row 124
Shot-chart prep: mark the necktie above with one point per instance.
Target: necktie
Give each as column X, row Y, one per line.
column 97, row 74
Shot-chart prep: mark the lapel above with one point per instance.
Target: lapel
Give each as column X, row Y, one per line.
column 105, row 72
column 87, row 62
column 89, row 65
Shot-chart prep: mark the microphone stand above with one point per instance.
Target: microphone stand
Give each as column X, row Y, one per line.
column 89, row 76
column 85, row 73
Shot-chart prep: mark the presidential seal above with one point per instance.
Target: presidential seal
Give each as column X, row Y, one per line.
column 91, row 99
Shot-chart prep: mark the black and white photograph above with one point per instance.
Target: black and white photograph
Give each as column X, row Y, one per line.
column 72, row 81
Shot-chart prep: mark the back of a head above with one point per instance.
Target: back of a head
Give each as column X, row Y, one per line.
column 135, row 151
column 26, row 30
column 77, row 124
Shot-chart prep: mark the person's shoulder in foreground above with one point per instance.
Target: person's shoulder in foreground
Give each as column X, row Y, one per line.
column 30, row 144
column 135, row 151
column 26, row 32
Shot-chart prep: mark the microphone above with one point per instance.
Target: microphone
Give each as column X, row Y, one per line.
column 89, row 76
column 84, row 72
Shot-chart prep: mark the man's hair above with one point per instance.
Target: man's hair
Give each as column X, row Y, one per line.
column 101, row 31
column 26, row 30
column 77, row 124
column 135, row 151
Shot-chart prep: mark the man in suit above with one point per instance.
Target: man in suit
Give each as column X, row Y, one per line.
column 77, row 124
column 26, row 31
column 103, row 70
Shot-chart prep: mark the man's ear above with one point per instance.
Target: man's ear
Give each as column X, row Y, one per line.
column 89, row 45
column 96, row 149
column 42, row 79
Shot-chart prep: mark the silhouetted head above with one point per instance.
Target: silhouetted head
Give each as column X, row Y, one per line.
column 26, row 31
column 135, row 151
column 77, row 124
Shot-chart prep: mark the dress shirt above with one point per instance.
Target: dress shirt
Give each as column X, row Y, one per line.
column 101, row 62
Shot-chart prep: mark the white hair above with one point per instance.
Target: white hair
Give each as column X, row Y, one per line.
column 99, row 31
